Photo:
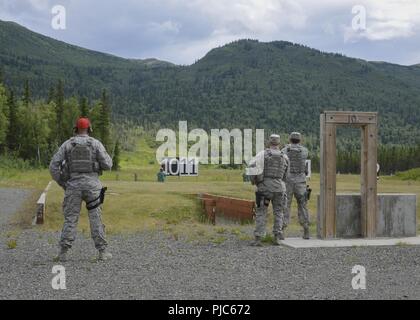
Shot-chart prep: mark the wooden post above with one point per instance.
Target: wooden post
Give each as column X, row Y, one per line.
column 327, row 208
column 368, row 190
column 41, row 206
column 322, row 162
column 367, row 121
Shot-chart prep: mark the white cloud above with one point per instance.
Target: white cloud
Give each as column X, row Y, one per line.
column 387, row 20
column 259, row 17
column 40, row 4
column 182, row 31
column 164, row 27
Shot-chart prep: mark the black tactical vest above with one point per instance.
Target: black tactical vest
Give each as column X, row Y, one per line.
column 274, row 164
column 81, row 156
column 297, row 157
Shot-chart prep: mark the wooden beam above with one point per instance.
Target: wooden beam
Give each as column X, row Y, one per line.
column 367, row 121
column 326, row 213
column 371, row 180
column 363, row 181
column 330, row 180
column 322, row 193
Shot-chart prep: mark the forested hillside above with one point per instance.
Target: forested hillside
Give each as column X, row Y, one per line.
column 278, row 86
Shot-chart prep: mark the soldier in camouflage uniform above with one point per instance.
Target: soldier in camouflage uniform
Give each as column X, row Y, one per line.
column 76, row 167
column 270, row 172
column 296, row 181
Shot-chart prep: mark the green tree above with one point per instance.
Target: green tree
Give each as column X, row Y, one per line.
column 35, row 129
column 1, row 75
column 116, row 157
column 3, row 116
column 84, row 107
column 103, row 125
column 13, row 129
column 59, row 110
column 51, row 95
column 26, row 94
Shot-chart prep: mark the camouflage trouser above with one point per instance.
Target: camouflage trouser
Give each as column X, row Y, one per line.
column 297, row 189
column 263, row 201
column 71, row 208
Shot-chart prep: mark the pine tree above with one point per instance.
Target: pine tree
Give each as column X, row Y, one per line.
column 116, row 158
column 3, row 118
column 104, row 121
column 59, row 110
column 13, row 129
column 26, row 94
column 1, row 75
column 51, row 95
column 84, row 107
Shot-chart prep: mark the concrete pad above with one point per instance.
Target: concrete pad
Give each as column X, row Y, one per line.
column 338, row 243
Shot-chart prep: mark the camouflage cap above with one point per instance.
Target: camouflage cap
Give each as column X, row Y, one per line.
column 295, row 135
column 275, row 139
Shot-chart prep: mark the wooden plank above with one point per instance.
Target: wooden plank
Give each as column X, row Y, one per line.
column 322, row 191
column 228, row 207
column 330, row 179
column 368, row 188
column 363, row 119
column 363, row 185
column 41, row 206
column 354, row 118
column 337, row 118
column 371, row 180
column 327, row 207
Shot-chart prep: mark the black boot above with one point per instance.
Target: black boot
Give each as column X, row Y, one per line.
column 257, row 242
column 306, row 233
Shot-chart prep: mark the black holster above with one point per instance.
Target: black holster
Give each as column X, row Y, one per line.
column 308, row 192
column 98, row 201
column 259, row 196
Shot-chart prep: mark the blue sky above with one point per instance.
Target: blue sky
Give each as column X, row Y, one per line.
column 183, row 31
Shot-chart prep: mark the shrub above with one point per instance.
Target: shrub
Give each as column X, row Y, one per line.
column 412, row 174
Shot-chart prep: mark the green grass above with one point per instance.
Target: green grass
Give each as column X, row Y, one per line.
column 11, row 244
column 172, row 207
column 413, row 174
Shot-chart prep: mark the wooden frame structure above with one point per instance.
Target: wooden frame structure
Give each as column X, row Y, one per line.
column 368, row 122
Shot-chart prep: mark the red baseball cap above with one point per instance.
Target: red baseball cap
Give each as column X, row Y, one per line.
column 83, row 123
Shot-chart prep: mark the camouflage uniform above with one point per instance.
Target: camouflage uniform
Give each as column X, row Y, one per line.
column 273, row 165
column 296, row 182
column 81, row 187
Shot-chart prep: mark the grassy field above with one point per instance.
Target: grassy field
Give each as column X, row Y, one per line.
column 172, row 207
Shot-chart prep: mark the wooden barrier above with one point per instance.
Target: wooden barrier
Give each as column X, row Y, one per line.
column 231, row 208
column 41, row 206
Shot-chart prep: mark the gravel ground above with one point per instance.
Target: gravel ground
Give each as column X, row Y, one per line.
column 10, row 202
column 153, row 266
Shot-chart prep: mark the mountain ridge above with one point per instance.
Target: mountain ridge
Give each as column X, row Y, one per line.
column 278, row 85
